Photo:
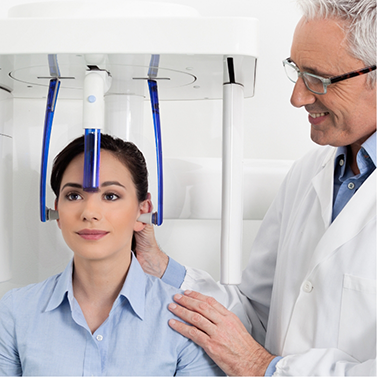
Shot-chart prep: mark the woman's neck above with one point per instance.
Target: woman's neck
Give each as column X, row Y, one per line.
column 96, row 285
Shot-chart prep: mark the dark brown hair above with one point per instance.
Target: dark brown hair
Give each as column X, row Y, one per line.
column 126, row 152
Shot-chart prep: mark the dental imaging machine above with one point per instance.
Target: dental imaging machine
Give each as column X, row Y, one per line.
column 112, row 56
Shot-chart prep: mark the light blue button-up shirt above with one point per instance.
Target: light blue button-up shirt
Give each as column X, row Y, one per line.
column 43, row 332
column 346, row 183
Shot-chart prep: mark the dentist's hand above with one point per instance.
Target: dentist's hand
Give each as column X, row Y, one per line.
column 220, row 333
column 151, row 258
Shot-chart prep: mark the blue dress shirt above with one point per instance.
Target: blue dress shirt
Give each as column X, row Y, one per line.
column 43, row 332
column 346, row 183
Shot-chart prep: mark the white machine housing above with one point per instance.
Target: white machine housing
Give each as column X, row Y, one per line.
column 193, row 51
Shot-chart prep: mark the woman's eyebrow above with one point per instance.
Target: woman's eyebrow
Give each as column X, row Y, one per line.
column 111, row 183
column 69, row 184
column 104, row 184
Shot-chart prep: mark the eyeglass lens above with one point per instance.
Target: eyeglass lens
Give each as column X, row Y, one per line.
column 311, row 82
column 291, row 72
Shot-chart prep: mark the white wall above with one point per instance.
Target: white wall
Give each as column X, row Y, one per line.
column 274, row 130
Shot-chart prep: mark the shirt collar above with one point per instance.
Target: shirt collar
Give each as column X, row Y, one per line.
column 134, row 288
column 369, row 146
column 62, row 287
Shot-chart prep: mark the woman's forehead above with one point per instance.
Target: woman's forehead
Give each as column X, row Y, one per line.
column 110, row 167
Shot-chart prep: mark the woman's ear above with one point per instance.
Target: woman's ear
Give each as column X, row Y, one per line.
column 56, row 208
column 145, row 207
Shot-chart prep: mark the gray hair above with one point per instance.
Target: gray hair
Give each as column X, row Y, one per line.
column 360, row 19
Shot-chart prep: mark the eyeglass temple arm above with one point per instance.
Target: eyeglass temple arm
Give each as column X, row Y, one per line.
column 352, row 74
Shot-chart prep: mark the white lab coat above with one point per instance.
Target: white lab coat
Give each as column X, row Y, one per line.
column 309, row 290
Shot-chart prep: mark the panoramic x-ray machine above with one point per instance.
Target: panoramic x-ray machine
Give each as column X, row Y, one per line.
column 96, row 51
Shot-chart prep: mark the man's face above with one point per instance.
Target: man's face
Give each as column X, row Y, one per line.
column 346, row 114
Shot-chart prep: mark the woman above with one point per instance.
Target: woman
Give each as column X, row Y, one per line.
column 102, row 315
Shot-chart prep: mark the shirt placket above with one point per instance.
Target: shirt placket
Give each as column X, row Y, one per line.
column 92, row 365
column 96, row 343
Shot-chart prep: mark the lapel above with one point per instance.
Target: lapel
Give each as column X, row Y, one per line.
column 323, row 184
column 360, row 210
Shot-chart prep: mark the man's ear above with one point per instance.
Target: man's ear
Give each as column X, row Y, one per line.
column 145, row 207
column 56, row 208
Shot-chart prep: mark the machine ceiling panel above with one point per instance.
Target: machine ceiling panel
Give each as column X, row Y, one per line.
column 180, row 77
column 191, row 47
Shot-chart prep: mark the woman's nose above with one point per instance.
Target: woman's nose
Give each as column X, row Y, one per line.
column 92, row 209
column 301, row 95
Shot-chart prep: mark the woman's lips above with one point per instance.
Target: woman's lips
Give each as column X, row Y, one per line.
column 92, row 234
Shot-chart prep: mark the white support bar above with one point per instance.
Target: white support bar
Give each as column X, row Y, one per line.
column 232, row 184
column 6, row 184
column 94, row 102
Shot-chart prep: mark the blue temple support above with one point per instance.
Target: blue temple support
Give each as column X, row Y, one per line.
column 157, row 218
column 49, row 117
column 53, row 65
column 153, row 66
column 92, row 159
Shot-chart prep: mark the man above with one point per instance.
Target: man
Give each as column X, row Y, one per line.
column 308, row 294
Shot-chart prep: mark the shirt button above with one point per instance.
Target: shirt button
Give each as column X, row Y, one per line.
column 341, row 162
column 307, row 286
column 99, row 337
column 351, row 185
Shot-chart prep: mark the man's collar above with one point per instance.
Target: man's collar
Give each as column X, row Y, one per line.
column 369, row 146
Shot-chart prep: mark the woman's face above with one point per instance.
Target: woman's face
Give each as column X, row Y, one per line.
column 99, row 225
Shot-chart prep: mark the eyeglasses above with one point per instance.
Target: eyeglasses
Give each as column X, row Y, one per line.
column 318, row 84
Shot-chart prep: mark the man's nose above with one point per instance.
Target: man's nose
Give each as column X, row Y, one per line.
column 301, row 95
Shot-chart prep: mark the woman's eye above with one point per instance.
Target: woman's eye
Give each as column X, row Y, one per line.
column 111, row 196
column 72, row 196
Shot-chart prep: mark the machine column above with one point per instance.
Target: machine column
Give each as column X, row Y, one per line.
column 232, row 177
